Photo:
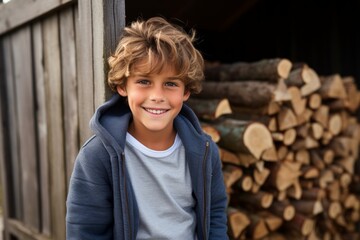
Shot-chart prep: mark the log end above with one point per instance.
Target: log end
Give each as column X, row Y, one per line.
column 284, row 68
column 223, row 108
column 289, row 213
column 257, row 139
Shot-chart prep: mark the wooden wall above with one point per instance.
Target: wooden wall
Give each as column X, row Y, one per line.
column 53, row 70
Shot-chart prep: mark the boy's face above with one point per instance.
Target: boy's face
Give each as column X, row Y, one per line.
column 154, row 100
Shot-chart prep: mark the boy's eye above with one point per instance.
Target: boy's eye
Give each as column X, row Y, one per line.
column 171, row 84
column 143, row 81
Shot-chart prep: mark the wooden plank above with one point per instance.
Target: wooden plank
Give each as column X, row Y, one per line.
column 52, row 64
column 15, row 207
column 4, row 172
column 42, row 126
column 19, row 230
column 114, row 20
column 26, row 125
column 69, row 80
column 84, row 45
column 99, row 62
column 108, row 23
column 16, row 13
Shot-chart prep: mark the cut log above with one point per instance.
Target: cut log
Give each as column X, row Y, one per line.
column 302, row 156
column 321, row 115
column 316, row 194
column 352, row 100
column 271, row 108
column 286, row 119
column 275, row 236
column 267, row 69
column 257, row 228
column 255, row 188
column 231, row 174
column 246, row 159
column 316, row 130
column 298, row 104
column 244, row 137
column 326, row 177
column 351, row 201
column 309, row 172
column 282, row 152
column 211, row 131
column 333, row 190
column 305, row 78
column 289, row 136
column 272, row 221
column 295, row 190
column 335, row 124
column 301, row 224
column 238, row 221
column 244, row 183
column 303, row 130
column 305, row 143
column 244, row 94
column 332, row 87
column 307, row 207
column 333, row 208
column 228, row 157
column 341, row 146
column 347, row 163
column 260, row 200
column 327, row 137
column 316, row 159
column 314, row 101
column 282, row 176
column 209, row 109
column 277, row 136
column 327, row 155
column 264, row 119
column 261, row 176
column 304, row 117
column 345, row 180
column 290, row 156
column 270, row 155
column 283, row 209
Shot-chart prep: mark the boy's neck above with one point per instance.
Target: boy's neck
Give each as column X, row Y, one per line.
column 158, row 141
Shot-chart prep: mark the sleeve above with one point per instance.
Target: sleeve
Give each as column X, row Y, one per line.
column 218, row 217
column 89, row 201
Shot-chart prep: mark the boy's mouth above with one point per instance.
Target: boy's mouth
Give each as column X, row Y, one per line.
column 156, row 111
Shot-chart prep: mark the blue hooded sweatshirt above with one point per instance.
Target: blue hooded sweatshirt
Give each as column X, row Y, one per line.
column 101, row 203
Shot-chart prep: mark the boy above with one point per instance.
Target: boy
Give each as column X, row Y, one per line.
column 149, row 172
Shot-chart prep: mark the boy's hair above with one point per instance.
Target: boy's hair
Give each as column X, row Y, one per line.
column 160, row 44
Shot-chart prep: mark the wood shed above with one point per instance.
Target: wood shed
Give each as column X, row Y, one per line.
column 52, row 77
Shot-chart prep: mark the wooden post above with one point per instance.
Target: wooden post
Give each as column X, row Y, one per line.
column 4, row 178
column 101, row 25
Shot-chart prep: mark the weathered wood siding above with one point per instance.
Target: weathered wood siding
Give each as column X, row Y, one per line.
column 53, row 70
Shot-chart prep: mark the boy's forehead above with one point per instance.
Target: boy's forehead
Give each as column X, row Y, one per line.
column 146, row 68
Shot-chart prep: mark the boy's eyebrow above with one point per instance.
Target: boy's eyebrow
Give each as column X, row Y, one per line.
column 148, row 76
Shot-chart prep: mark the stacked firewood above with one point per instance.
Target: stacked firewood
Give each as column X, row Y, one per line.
column 288, row 140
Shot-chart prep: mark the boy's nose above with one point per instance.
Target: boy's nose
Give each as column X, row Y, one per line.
column 157, row 95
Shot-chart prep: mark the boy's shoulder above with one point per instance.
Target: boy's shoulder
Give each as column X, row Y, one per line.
column 94, row 149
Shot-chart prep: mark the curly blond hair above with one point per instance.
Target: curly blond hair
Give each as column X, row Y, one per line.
column 162, row 44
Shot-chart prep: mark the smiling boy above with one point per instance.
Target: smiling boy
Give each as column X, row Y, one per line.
column 149, row 172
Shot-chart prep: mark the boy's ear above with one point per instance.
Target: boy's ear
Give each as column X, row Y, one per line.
column 186, row 95
column 121, row 91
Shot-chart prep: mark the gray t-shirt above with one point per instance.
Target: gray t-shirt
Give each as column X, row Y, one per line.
column 162, row 186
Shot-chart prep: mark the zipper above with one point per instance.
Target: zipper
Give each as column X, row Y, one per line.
column 126, row 194
column 205, row 188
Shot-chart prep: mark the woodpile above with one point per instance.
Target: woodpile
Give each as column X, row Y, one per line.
column 288, row 140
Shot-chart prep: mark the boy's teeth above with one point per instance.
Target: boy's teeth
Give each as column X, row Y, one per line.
column 155, row 111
